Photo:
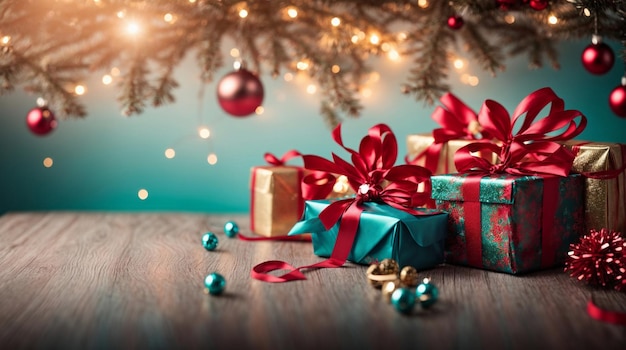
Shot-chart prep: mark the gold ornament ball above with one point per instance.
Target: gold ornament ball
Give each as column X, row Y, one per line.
column 408, row 276
column 388, row 288
column 388, row 267
column 371, row 271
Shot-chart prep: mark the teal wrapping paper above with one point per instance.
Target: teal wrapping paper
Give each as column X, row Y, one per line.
column 511, row 216
column 384, row 232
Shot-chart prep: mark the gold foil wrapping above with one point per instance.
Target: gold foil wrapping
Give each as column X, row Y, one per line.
column 605, row 199
column 416, row 143
column 276, row 202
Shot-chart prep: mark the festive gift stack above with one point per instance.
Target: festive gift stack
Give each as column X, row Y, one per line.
column 603, row 165
column 520, row 213
column 379, row 222
column 459, row 127
column 278, row 192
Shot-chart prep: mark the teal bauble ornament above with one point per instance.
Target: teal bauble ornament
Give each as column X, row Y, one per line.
column 231, row 229
column 427, row 293
column 215, row 283
column 209, row 241
column 403, row 299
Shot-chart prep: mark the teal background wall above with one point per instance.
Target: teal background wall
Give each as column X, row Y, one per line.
column 102, row 161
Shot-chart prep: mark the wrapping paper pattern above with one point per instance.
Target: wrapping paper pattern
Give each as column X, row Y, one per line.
column 511, row 217
column 384, row 232
column 605, row 199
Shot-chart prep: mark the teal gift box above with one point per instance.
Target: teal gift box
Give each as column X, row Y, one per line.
column 384, row 232
column 516, row 225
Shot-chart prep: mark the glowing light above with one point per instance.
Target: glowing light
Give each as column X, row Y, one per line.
column 47, row 162
column 204, row 132
column 259, row 110
column 41, row 102
column 423, row 3
column 552, row 19
column 335, row 69
column 385, row 47
column 473, row 80
column 192, row 1
column 243, row 13
column 288, row 77
column 237, row 65
column 302, row 65
column 587, row 12
column 170, row 153
column 292, row 12
column 374, row 39
column 168, row 17
column 142, row 194
column 311, row 89
column 366, row 92
column 234, row 52
column 107, row 79
column 212, row 159
column 402, row 36
column 354, row 39
column 374, row 77
column 510, row 19
column 335, row 21
column 80, row 90
column 115, row 71
column 458, row 63
column 5, row 40
column 133, row 28
column 341, row 185
column 121, row 14
column 393, row 55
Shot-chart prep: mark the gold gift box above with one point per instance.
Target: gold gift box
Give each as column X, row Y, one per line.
column 276, row 201
column 417, row 143
column 605, row 199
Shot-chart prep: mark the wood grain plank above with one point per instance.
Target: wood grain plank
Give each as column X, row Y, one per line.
column 87, row 280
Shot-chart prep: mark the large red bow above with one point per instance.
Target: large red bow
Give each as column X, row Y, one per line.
column 533, row 148
column 372, row 165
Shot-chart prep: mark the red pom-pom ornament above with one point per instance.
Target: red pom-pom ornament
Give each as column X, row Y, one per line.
column 41, row 121
column 617, row 101
column 598, row 259
column 240, row 93
column 598, row 57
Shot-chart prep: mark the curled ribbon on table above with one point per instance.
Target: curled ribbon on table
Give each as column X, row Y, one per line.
column 313, row 185
column 408, row 187
column 532, row 150
column 457, row 121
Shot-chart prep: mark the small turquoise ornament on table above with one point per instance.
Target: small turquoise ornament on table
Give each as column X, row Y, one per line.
column 231, row 229
column 215, row 283
column 209, row 241
column 403, row 299
column 427, row 293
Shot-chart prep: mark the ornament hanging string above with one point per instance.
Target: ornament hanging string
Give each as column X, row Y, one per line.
column 371, row 165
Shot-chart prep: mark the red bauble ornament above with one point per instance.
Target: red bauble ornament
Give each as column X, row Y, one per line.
column 455, row 22
column 617, row 101
column 598, row 258
column 506, row 5
column 538, row 4
column 240, row 93
column 598, row 58
column 41, row 121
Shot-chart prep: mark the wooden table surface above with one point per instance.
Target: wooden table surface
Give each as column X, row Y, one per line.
column 83, row 280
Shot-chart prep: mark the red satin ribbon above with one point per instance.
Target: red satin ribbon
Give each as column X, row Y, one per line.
column 455, row 118
column 371, row 165
column 273, row 160
column 600, row 314
column 532, row 150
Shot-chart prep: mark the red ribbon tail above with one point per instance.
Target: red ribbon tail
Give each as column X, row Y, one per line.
column 600, row 314
column 297, row 238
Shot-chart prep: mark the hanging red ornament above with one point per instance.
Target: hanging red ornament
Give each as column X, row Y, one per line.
column 598, row 57
column 617, row 100
column 41, row 121
column 455, row 22
column 598, row 258
column 240, row 93
column 538, row 4
column 506, row 5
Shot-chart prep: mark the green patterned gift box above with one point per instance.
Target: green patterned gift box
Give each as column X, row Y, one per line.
column 510, row 223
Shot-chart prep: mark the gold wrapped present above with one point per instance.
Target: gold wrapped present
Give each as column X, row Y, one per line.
column 418, row 143
column 603, row 165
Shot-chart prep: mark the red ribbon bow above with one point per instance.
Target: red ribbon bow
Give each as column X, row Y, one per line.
column 373, row 163
column 457, row 121
column 533, row 149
